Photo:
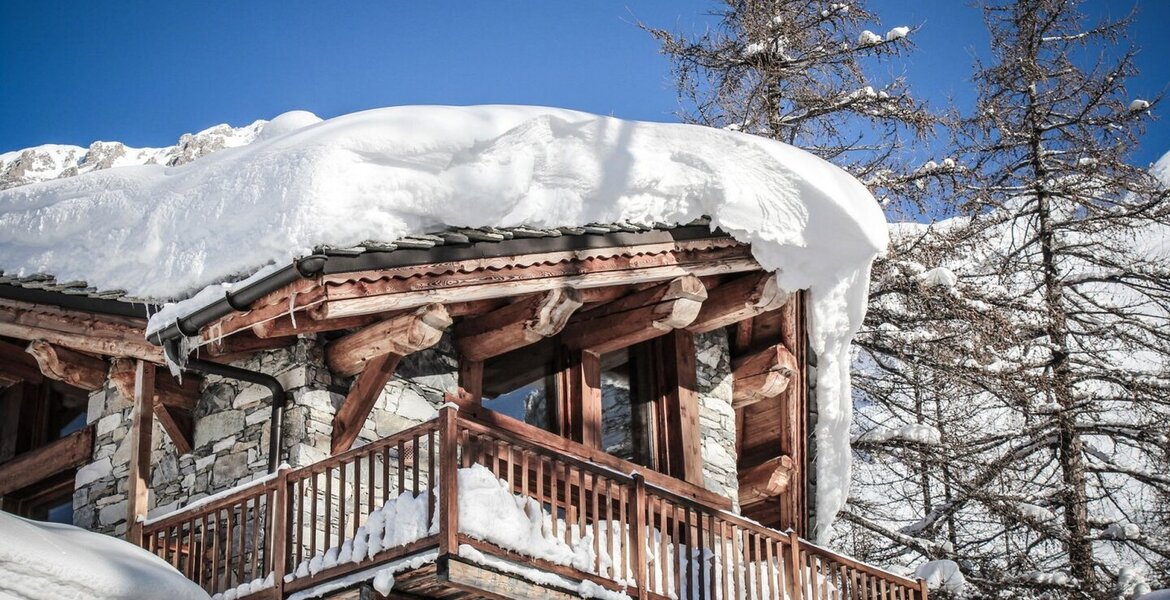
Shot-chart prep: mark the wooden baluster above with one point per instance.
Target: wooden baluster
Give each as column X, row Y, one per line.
column 582, row 507
column 797, row 578
column 611, row 533
column 553, row 476
column 773, row 580
column 638, row 536
column 736, row 554
column 627, row 524
column 415, row 487
column 594, row 493
column 341, row 504
column 255, row 567
column 313, row 520
column 385, row 475
column 430, row 477
column 401, row 469
column 664, row 549
column 326, row 544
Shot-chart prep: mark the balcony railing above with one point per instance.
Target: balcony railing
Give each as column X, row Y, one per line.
column 306, row 526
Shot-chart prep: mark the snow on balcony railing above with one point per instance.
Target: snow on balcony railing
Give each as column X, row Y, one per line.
column 518, row 506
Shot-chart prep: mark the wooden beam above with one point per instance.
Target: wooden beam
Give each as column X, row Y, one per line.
column 767, row 480
column 403, row 334
column 246, row 343
column 17, row 365
column 364, row 392
column 764, row 374
column 305, row 323
column 103, row 335
column 68, row 366
column 141, row 428
column 26, row 469
column 638, row 317
column 516, row 325
column 739, row 299
column 352, row 305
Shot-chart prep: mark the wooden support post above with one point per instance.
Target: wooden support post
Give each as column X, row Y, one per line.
column 797, row 577
column 581, row 413
column 922, row 587
column 348, row 421
column 738, row 300
column 141, row 428
column 448, row 482
column 638, row 317
column 402, row 334
column 471, row 378
column 278, row 551
column 680, row 408
column 638, row 535
column 764, row 374
column 516, row 325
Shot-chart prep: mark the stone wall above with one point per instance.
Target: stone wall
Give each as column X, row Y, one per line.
column 716, row 417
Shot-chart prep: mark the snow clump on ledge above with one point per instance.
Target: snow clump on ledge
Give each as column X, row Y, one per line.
column 165, row 232
column 53, row 561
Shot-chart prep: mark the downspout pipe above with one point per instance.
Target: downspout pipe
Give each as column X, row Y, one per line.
column 279, row 396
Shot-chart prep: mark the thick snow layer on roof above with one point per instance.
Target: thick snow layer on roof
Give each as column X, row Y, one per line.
column 165, row 232
column 60, row 562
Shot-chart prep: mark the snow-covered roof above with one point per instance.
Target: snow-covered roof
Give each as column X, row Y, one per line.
column 164, row 232
column 60, row 562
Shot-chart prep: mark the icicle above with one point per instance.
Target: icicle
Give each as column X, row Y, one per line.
column 292, row 313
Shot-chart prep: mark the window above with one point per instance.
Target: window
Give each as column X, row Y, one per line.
column 628, row 402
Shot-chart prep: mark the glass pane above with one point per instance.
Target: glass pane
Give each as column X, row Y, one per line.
column 626, row 412
column 528, row 403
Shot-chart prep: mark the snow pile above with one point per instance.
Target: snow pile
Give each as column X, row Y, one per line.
column 246, row 588
column 398, row 522
column 54, row 562
column 939, row 277
column 915, row 432
column 1122, row 531
column 868, row 38
column 941, row 575
column 1035, row 512
column 381, row 174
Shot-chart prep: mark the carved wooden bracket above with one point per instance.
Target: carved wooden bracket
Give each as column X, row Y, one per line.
column 740, row 299
column 764, row 374
column 516, row 325
column 74, row 368
column 401, row 334
column 637, row 317
column 766, row 480
column 173, row 401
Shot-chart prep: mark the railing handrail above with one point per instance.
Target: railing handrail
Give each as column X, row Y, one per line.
column 445, row 428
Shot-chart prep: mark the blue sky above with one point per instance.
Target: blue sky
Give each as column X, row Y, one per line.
column 144, row 73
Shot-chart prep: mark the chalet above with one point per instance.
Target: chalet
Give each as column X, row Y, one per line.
column 612, row 409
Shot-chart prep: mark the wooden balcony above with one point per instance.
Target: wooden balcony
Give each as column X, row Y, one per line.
column 296, row 531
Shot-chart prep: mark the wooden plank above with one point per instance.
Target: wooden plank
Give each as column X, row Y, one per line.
column 30, row 467
column 77, row 330
column 364, row 392
column 18, row 365
column 481, row 582
column 68, row 366
column 737, row 300
column 179, row 424
column 763, row 374
column 402, row 334
column 245, row 343
column 638, row 317
column 516, row 325
column 766, row 480
column 352, row 304
column 141, row 428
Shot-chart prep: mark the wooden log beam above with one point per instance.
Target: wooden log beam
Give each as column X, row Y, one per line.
column 17, row 365
column 246, row 343
column 763, row 374
column 103, row 335
column 767, row 480
column 173, row 401
column 68, row 366
column 638, row 317
column 402, row 334
column 737, row 300
column 141, row 429
column 348, row 421
column 516, row 325
column 26, row 469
